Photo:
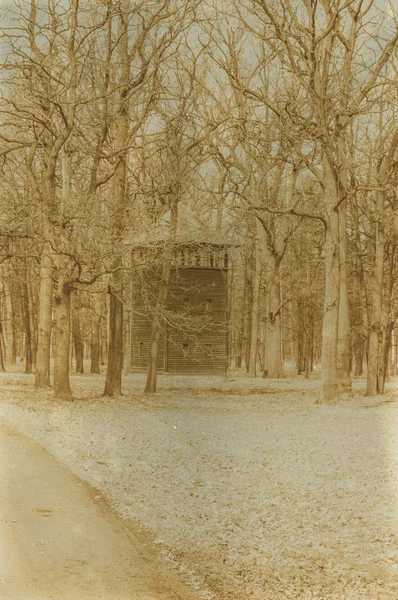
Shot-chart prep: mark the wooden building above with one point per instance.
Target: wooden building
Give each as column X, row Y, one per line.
column 194, row 337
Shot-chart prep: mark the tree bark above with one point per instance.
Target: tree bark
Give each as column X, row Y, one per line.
column 62, row 301
column 231, row 333
column 127, row 327
column 2, row 346
column 10, row 326
column 343, row 342
column 359, row 356
column 157, row 322
column 344, row 335
column 248, row 307
column 104, row 330
column 28, row 331
column 241, row 323
column 42, row 377
column 274, row 325
column 77, row 340
column 309, row 347
column 375, row 318
column 32, row 321
column 113, row 382
column 330, row 385
column 255, row 312
column 95, row 337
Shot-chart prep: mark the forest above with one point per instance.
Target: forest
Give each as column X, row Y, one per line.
column 270, row 125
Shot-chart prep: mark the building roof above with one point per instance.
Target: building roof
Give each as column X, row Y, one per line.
column 190, row 231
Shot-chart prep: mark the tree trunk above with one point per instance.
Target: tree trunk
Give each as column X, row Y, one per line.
column 231, row 333
column 151, row 381
column 388, row 327
column 330, row 385
column 42, row 378
column 274, row 327
column 95, row 336
column 359, row 356
column 344, row 336
column 2, row 346
column 28, row 331
column 157, row 322
column 309, row 348
column 77, row 340
column 375, row 318
column 62, row 299
column 255, row 312
column 300, row 354
column 94, row 349
column 248, row 309
column 265, row 334
column 104, row 330
column 393, row 361
column 241, row 324
column 127, row 329
column 32, row 322
column 343, row 342
column 113, row 382
column 10, row 326
column 386, row 348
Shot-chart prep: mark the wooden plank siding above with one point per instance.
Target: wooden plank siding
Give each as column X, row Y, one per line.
column 140, row 344
column 194, row 339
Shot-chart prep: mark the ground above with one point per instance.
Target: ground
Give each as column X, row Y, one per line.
column 61, row 541
column 248, row 487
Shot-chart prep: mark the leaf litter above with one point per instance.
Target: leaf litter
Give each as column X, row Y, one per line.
column 248, row 488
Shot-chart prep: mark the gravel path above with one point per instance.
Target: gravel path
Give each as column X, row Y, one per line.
column 248, row 487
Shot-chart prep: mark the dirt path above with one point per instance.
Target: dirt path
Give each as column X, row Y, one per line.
column 57, row 541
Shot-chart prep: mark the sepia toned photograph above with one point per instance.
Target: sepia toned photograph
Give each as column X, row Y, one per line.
column 198, row 300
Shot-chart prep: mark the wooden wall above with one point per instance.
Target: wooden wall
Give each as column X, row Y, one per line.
column 140, row 343
column 194, row 337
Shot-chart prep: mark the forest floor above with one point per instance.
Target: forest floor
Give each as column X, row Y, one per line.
column 248, row 487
